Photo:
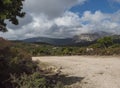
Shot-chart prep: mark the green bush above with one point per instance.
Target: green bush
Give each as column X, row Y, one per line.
column 29, row 81
column 115, row 46
column 34, row 80
column 17, row 70
column 105, row 42
column 14, row 61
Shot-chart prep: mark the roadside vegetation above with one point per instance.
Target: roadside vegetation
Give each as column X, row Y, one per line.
column 17, row 70
column 103, row 46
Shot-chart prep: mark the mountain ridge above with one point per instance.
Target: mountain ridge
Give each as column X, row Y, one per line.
column 75, row 40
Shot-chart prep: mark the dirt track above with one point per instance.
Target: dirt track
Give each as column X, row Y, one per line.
column 88, row 71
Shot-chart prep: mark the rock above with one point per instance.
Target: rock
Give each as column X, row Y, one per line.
column 54, row 69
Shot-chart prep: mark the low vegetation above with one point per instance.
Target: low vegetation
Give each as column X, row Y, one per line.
column 17, row 70
column 103, row 46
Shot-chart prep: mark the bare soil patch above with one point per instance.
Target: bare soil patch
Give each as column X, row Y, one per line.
column 87, row 71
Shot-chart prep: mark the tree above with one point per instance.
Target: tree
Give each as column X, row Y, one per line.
column 105, row 42
column 10, row 10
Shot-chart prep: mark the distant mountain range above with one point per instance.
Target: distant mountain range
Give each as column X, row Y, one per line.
column 82, row 39
column 90, row 36
column 52, row 41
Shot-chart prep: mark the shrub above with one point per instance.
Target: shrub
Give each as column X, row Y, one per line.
column 17, row 70
column 29, row 81
column 105, row 42
column 14, row 61
column 34, row 80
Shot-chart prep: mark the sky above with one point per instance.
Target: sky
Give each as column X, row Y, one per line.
column 65, row 18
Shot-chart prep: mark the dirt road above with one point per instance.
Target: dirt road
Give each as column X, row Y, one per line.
column 88, row 71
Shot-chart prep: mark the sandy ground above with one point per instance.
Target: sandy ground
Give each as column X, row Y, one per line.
column 88, row 71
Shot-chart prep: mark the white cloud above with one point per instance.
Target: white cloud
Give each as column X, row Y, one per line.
column 97, row 16
column 117, row 1
column 52, row 19
column 68, row 25
column 63, row 26
column 52, row 8
column 99, row 21
column 68, row 19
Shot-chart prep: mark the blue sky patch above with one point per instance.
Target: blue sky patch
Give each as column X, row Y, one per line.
column 105, row 6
